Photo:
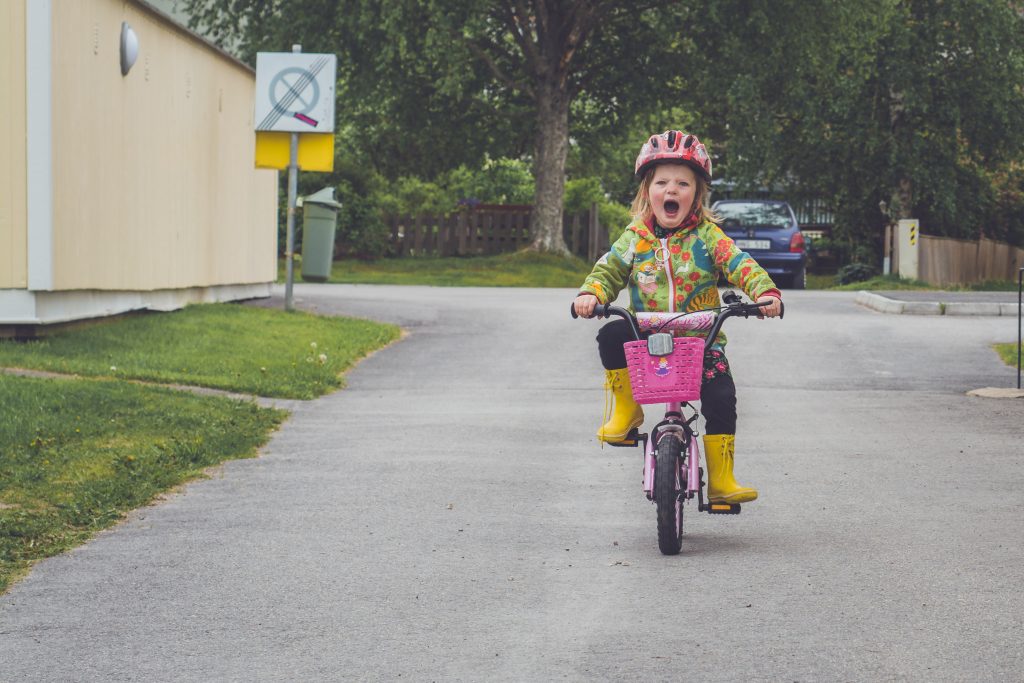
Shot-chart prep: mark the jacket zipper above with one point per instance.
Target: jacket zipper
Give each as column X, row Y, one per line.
column 671, row 279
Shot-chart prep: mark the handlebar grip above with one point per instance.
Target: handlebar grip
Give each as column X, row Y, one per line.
column 782, row 307
column 600, row 311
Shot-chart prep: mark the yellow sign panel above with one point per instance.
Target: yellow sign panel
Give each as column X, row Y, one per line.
column 316, row 150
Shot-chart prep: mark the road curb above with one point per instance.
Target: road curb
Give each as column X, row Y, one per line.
column 884, row 304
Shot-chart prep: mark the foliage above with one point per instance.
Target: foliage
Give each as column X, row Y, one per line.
column 887, row 108
column 225, row 346
column 497, row 181
column 412, row 195
column 906, row 102
column 855, row 272
column 78, row 454
column 581, row 193
column 425, row 87
column 614, row 217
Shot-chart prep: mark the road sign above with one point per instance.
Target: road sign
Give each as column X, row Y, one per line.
column 315, row 152
column 295, row 92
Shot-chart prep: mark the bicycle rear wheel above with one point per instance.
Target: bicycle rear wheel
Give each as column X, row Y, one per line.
column 667, row 487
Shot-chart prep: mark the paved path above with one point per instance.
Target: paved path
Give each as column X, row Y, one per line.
column 449, row 516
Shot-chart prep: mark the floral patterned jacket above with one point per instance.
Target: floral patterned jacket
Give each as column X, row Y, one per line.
column 677, row 273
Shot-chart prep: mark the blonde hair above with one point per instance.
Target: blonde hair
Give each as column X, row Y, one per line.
column 641, row 208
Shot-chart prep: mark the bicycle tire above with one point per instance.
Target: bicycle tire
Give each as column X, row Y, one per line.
column 667, row 487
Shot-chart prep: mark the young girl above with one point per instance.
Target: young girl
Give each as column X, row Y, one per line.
column 670, row 258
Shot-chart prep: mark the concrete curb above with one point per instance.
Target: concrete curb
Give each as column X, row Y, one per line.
column 884, row 304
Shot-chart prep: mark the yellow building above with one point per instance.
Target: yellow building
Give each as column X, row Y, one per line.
column 122, row 192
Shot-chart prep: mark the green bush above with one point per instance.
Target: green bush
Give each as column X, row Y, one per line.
column 412, row 195
column 581, row 193
column 855, row 272
column 497, row 181
column 614, row 217
column 362, row 232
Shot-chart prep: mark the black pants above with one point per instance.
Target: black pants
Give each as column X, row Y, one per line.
column 717, row 396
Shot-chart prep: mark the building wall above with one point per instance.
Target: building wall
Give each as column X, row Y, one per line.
column 153, row 182
column 13, row 249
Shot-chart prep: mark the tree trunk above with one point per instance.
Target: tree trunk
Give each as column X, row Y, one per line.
column 551, row 150
column 903, row 200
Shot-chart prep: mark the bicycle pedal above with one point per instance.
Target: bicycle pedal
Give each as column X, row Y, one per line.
column 723, row 508
column 629, row 441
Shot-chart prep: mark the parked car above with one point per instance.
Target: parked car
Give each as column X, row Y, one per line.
column 768, row 231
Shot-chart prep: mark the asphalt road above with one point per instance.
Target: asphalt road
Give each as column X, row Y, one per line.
column 449, row 516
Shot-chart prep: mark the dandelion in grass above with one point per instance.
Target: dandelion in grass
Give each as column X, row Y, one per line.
column 312, row 345
column 322, row 358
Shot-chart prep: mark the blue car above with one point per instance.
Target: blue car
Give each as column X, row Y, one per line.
column 768, row 231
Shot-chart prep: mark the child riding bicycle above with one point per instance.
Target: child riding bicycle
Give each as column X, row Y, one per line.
column 670, row 257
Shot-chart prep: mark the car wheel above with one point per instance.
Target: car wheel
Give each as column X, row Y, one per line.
column 799, row 280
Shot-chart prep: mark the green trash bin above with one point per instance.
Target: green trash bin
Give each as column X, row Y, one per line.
column 319, row 224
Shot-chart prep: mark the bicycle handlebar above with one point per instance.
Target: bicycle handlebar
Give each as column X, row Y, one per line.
column 734, row 306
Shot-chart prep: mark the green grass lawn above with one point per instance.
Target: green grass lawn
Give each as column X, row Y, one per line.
column 224, row 346
column 530, row 269
column 1008, row 352
column 77, row 453
column 520, row 269
column 894, row 282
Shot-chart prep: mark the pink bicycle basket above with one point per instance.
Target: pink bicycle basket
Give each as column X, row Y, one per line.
column 665, row 379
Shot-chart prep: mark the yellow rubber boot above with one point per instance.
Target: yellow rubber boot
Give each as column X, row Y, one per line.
column 626, row 414
column 719, row 452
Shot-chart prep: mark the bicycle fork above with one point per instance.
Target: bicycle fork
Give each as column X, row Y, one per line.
column 689, row 460
column 690, row 471
column 689, row 467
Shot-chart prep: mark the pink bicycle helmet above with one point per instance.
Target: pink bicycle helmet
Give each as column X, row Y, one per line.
column 674, row 147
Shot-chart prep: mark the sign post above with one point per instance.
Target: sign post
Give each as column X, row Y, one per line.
column 294, row 96
column 289, row 253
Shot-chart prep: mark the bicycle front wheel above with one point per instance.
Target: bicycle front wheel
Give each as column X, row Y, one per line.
column 666, row 494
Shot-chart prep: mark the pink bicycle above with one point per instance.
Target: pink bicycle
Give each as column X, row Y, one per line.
column 667, row 369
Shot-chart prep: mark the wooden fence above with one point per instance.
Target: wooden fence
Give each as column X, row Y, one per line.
column 948, row 261
column 486, row 230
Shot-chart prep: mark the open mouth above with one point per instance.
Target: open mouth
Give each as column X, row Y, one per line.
column 671, row 207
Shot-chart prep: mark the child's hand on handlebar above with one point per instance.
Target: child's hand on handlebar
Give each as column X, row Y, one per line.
column 585, row 304
column 773, row 307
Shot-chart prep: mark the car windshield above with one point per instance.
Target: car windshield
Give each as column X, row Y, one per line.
column 735, row 214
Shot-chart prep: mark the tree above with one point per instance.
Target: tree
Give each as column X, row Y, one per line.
column 434, row 83
column 908, row 102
